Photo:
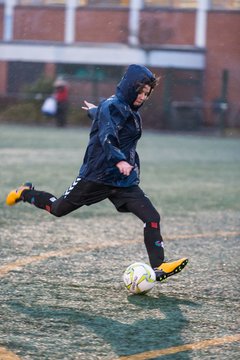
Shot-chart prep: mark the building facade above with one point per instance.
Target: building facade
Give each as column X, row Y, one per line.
column 192, row 45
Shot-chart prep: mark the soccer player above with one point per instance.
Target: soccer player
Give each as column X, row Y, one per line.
column 110, row 168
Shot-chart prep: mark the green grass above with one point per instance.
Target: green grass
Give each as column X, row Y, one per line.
column 73, row 305
column 181, row 173
column 190, row 173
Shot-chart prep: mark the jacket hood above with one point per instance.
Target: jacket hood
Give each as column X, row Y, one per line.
column 129, row 84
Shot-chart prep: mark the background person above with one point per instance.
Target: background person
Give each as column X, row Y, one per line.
column 61, row 95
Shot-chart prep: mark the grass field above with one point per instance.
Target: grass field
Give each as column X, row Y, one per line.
column 62, row 295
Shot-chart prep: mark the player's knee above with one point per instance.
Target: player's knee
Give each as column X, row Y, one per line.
column 57, row 213
column 157, row 218
column 153, row 220
column 154, row 217
column 57, row 210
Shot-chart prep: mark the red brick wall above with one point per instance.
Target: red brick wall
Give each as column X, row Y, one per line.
column 102, row 25
column 3, row 77
column 223, row 52
column 167, row 27
column 105, row 25
column 50, row 70
column 43, row 23
column 158, row 27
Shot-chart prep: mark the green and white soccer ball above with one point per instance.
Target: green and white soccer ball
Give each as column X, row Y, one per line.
column 139, row 278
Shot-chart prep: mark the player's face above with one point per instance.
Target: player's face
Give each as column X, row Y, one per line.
column 142, row 96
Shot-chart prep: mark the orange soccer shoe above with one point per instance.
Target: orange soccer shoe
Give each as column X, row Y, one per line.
column 16, row 195
column 170, row 268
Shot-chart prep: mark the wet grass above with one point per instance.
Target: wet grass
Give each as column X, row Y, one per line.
column 72, row 305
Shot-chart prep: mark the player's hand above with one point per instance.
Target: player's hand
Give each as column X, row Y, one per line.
column 124, row 167
column 88, row 105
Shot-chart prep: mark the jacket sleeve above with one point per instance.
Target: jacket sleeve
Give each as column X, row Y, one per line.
column 92, row 113
column 110, row 121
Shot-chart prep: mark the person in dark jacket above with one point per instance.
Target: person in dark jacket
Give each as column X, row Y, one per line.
column 111, row 167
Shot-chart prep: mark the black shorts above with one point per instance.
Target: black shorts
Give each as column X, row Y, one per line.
column 82, row 192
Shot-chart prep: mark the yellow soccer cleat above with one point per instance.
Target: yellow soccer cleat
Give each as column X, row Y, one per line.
column 16, row 195
column 170, row 268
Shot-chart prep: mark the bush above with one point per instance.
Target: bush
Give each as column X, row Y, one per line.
column 40, row 89
column 26, row 109
column 25, row 112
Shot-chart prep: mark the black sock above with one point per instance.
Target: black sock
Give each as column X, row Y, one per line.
column 40, row 199
column 154, row 243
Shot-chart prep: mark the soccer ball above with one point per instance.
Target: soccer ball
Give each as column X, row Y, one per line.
column 139, row 278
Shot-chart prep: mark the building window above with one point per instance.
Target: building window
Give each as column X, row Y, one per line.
column 214, row 4
column 90, row 72
column 41, row 2
column 104, row 3
column 98, row 3
column 21, row 74
column 225, row 5
column 172, row 3
column 184, row 4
